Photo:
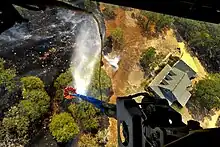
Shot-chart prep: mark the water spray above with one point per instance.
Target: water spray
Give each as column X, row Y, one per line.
column 86, row 54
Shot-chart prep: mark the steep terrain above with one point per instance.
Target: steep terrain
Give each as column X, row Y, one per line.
column 129, row 76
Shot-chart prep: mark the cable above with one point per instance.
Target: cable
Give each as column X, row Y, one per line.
column 101, row 55
column 100, row 68
column 100, row 33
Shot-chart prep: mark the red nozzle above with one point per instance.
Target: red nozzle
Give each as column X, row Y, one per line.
column 68, row 91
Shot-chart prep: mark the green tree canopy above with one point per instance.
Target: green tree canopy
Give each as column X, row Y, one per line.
column 117, row 38
column 31, row 82
column 36, row 100
column 207, row 92
column 15, row 125
column 61, row 82
column 94, row 87
column 147, row 58
column 85, row 115
column 63, row 127
column 161, row 21
column 7, row 76
column 203, row 38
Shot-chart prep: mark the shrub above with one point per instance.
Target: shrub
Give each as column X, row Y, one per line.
column 94, row 87
column 63, row 127
column 147, row 58
column 61, row 82
column 109, row 13
column 206, row 92
column 117, row 38
column 85, row 115
column 7, row 76
column 88, row 140
column 32, row 82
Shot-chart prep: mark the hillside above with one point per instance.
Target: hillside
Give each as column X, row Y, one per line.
column 130, row 78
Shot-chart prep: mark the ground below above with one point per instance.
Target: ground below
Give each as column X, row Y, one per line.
column 129, row 76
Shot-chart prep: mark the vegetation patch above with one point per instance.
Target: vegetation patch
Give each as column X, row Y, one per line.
column 19, row 118
column 63, row 127
column 61, row 82
column 147, row 19
column 7, row 76
column 117, row 37
column 108, row 12
column 85, row 115
column 203, row 38
column 147, row 58
column 207, row 91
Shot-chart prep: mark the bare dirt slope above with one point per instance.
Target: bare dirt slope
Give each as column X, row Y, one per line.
column 129, row 76
column 129, row 57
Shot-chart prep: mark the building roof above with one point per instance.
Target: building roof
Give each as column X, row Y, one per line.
column 181, row 65
column 172, row 82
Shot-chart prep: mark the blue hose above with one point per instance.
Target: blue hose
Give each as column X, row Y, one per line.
column 97, row 103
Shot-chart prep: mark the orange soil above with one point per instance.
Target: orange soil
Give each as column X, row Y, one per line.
column 129, row 58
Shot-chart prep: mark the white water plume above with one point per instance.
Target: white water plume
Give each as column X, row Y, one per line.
column 86, row 53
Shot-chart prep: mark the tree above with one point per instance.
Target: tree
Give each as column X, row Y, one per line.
column 7, row 76
column 160, row 21
column 88, row 140
column 147, row 58
column 21, row 116
column 94, row 87
column 102, row 137
column 203, row 38
column 85, row 115
column 61, row 82
column 36, row 100
column 35, row 109
column 31, row 82
column 164, row 21
column 16, row 126
column 108, row 12
column 63, row 127
column 117, row 38
column 207, row 91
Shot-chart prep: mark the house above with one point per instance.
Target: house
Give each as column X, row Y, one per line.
column 172, row 83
